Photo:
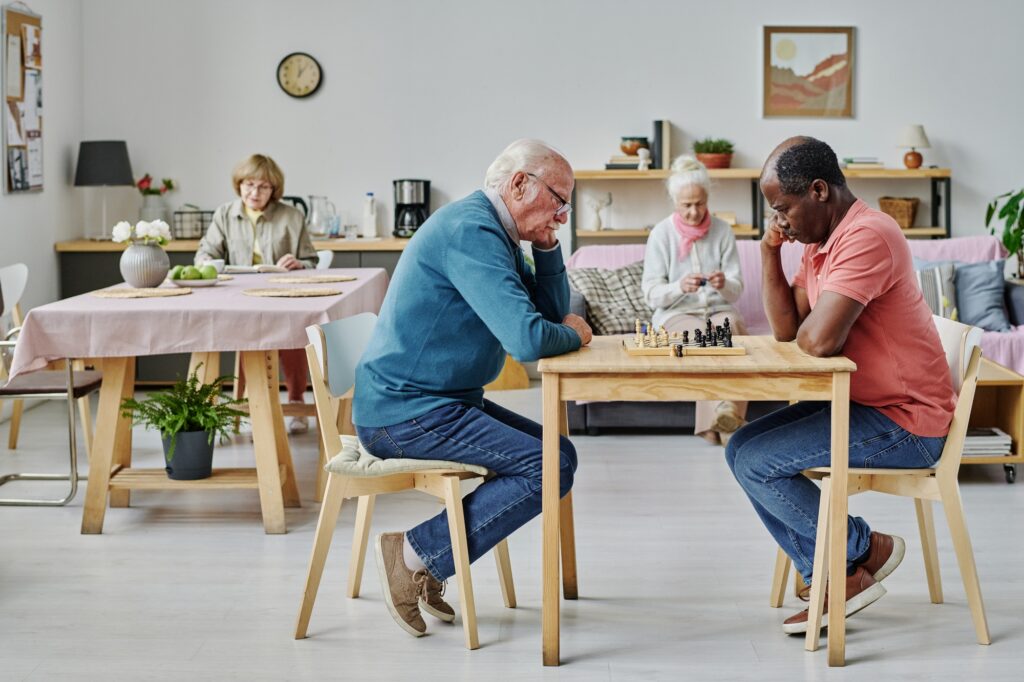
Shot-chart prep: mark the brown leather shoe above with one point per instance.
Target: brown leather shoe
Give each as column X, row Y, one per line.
column 431, row 601
column 885, row 554
column 861, row 590
column 401, row 586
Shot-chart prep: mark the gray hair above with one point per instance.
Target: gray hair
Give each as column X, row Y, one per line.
column 687, row 171
column 526, row 155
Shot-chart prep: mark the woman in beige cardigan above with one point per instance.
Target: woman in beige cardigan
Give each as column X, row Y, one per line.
column 257, row 228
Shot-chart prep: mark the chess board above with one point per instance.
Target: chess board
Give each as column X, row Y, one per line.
column 708, row 341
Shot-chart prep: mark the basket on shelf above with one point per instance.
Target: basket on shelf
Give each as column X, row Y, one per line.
column 190, row 224
column 902, row 209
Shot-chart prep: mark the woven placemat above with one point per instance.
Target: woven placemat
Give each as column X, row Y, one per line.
column 281, row 292
column 225, row 278
column 312, row 279
column 146, row 292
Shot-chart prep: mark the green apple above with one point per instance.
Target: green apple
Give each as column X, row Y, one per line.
column 208, row 272
column 175, row 272
column 191, row 272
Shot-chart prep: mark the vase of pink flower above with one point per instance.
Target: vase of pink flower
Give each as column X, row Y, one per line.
column 144, row 263
column 153, row 206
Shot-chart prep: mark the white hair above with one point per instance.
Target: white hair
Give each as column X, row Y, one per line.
column 687, row 171
column 526, row 155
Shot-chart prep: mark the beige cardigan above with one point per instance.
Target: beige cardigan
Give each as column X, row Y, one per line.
column 281, row 229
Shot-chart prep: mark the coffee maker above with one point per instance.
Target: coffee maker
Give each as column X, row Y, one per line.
column 412, row 206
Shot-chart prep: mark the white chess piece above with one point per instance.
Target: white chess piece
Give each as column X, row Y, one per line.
column 645, row 159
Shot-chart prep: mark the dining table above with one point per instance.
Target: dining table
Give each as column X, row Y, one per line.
column 112, row 332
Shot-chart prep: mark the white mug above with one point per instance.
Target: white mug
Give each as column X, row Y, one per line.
column 218, row 264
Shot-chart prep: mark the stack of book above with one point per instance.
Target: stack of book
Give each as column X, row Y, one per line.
column 862, row 162
column 624, row 163
column 986, row 441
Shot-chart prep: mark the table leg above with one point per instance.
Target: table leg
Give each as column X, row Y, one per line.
column 210, row 369
column 570, row 586
column 289, row 488
column 838, row 509
column 551, row 512
column 263, row 385
column 112, row 437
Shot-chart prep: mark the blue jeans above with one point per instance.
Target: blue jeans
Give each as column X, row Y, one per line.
column 506, row 443
column 767, row 455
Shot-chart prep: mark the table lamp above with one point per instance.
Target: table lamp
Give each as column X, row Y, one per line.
column 913, row 136
column 101, row 164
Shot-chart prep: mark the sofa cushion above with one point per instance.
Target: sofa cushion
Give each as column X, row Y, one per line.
column 613, row 297
column 980, row 292
column 938, row 284
column 1015, row 302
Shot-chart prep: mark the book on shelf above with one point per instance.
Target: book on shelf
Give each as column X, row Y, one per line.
column 661, row 145
column 625, row 159
column 864, row 166
column 860, row 159
column 986, row 440
column 620, row 166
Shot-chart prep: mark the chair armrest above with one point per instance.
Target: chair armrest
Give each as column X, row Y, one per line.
column 577, row 304
column 1015, row 302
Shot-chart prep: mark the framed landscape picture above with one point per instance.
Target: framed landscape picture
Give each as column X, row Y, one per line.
column 808, row 71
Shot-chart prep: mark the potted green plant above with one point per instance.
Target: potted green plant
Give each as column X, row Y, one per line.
column 1012, row 215
column 189, row 415
column 713, row 152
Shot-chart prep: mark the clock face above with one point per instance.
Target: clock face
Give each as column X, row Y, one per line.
column 299, row 74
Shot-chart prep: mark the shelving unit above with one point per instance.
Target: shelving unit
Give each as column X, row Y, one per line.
column 940, row 181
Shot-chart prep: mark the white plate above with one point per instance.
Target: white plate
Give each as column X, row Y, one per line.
column 190, row 283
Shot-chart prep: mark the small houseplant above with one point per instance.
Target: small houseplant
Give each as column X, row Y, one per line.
column 189, row 415
column 153, row 206
column 1012, row 215
column 713, row 152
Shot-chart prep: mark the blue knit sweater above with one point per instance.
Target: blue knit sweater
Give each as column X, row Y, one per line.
column 461, row 297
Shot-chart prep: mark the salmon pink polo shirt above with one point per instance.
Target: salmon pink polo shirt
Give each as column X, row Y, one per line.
column 901, row 367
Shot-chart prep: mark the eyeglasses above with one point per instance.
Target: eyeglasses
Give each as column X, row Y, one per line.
column 563, row 206
column 252, row 186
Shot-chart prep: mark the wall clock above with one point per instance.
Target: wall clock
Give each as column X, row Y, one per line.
column 299, row 74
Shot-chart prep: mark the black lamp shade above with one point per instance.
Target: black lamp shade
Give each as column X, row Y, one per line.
column 103, row 163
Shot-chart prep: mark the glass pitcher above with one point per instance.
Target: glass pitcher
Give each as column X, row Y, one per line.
column 320, row 213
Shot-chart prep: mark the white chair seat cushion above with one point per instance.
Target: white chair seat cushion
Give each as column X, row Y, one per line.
column 356, row 462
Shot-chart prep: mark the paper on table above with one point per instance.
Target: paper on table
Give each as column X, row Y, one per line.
column 251, row 269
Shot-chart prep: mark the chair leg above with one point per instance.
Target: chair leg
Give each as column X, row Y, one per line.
column 460, row 554
column 953, row 505
column 360, row 539
column 508, row 588
column 17, row 408
column 926, row 526
column 567, row 544
column 321, row 473
column 782, row 564
column 819, row 571
column 329, row 512
column 84, row 414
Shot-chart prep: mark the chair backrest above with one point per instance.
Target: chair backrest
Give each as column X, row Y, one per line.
column 961, row 343
column 13, row 280
column 324, row 259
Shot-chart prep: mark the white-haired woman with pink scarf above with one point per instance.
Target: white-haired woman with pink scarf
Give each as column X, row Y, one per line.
column 692, row 273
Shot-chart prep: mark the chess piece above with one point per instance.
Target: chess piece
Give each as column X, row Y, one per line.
column 677, row 350
column 645, row 159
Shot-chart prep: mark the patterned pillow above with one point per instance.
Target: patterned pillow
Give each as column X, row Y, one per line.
column 938, row 286
column 614, row 298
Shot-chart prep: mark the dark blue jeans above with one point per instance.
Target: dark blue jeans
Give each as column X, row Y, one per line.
column 767, row 455
column 504, row 442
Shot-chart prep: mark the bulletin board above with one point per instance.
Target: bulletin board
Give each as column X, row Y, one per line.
column 22, row 114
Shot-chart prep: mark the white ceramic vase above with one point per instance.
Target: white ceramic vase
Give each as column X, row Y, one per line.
column 154, row 208
column 144, row 265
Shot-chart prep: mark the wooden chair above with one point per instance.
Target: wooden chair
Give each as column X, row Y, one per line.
column 352, row 472
column 963, row 355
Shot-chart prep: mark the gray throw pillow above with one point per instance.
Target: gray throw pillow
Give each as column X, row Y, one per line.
column 979, row 288
column 613, row 297
column 938, row 285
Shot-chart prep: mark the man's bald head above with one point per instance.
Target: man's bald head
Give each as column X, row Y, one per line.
column 799, row 161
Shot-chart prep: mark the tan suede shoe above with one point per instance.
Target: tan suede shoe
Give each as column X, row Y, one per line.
column 727, row 419
column 401, row 586
column 861, row 590
column 431, row 601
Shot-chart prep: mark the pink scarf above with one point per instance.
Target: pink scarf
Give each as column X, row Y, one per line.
column 688, row 234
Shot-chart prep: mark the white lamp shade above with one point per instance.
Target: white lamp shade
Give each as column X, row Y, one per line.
column 913, row 136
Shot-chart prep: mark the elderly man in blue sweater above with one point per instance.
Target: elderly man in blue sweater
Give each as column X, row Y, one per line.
column 461, row 298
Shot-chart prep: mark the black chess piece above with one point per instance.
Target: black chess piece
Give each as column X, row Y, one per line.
column 726, row 325
column 710, row 329
column 686, row 337
column 677, row 350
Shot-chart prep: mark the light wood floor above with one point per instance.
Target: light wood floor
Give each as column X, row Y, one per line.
column 674, row 576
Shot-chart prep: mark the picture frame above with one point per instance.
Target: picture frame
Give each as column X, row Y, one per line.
column 808, row 71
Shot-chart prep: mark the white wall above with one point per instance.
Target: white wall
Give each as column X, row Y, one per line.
column 436, row 89
column 30, row 223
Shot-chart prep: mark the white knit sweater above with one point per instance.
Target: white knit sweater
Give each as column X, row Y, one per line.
column 663, row 270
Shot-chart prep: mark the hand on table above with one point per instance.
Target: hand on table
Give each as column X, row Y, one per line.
column 291, row 262
column 580, row 326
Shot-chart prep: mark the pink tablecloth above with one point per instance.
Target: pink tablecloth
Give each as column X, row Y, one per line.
column 218, row 318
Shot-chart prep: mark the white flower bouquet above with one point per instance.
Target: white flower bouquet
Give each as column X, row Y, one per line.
column 157, row 232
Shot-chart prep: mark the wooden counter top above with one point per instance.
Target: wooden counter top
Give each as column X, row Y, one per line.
column 190, row 245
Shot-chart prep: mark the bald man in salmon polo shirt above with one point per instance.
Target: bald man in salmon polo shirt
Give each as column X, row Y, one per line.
column 855, row 294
